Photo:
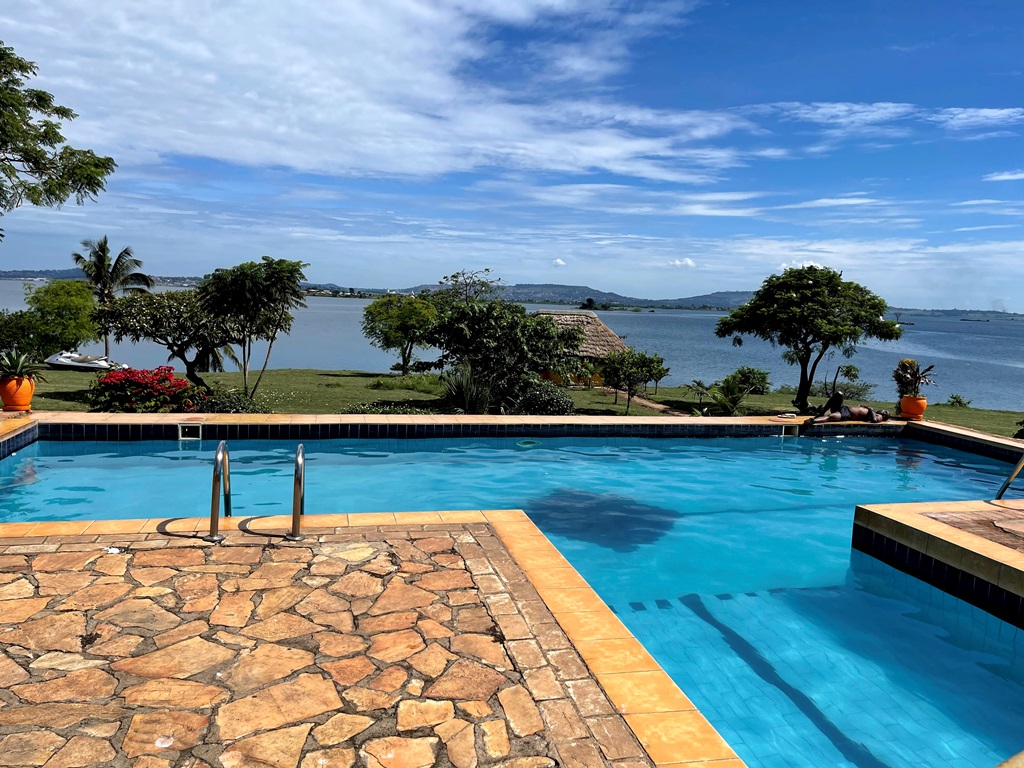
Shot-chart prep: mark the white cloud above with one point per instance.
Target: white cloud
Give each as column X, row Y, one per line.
column 961, row 118
column 833, row 202
column 987, row 226
column 558, row 263
column 687, row 262
column 1005, row 176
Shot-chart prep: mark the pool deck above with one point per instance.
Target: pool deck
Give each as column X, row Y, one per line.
column 383, row 640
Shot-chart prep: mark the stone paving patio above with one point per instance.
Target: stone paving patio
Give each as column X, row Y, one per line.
column 384, row 647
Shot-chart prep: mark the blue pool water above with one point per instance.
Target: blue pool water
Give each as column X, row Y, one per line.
column 729, row 559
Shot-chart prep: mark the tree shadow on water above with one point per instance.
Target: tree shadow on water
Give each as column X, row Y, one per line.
column 606, row 519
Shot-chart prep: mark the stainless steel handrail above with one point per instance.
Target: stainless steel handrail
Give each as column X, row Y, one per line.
column 298, row 495
column 221, row 480
column 1011, row 478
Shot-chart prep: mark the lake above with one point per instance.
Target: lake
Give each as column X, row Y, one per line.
column 982, row 361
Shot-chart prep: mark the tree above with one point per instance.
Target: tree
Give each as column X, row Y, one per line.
column 36, row 165
column 658, row 370
column 256, row 299
column 108, row 278
column 59, row 316
column 810, row 311
column 175, row 320
column 628, row 370
column 402, row 323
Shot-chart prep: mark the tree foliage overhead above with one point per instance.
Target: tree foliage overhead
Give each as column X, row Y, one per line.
column 36, row 165
column 811, row 312
column 257, row 299
column 401, row 323
column 175, row 320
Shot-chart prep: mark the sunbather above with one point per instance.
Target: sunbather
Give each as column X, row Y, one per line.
column 834, row 410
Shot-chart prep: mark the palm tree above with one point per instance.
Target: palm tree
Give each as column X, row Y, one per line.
column 108, row 278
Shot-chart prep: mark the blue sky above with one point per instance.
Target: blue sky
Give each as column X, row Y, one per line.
column 656, row 149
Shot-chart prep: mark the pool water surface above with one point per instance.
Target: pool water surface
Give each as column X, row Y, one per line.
column 729, row 559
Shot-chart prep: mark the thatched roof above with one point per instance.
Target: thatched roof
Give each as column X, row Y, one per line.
column 598, row 338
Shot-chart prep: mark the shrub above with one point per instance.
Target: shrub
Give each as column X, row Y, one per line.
column 957, row 401
column 231, row 401
column 386, row 409
column 542, row 398
column 145, row 391
column 754, row 380
column 465, row 392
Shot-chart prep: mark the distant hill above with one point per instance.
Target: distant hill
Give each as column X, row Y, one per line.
column 552, row 293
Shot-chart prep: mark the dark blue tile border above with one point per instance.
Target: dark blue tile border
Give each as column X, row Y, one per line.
column 979, row 592
column 969, row 445
column 16, row 442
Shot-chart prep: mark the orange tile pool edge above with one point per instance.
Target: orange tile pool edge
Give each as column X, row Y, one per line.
column 668, row 725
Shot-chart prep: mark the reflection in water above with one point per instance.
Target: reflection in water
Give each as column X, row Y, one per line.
column 606, row 519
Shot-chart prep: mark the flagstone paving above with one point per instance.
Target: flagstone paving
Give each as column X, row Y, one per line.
column 372, row 647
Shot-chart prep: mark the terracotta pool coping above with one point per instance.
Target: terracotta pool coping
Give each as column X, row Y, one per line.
column 668, row 725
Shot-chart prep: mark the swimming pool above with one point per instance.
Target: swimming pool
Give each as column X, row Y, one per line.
column 729, row 559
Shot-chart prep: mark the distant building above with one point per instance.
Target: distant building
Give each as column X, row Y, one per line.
column 598, row 338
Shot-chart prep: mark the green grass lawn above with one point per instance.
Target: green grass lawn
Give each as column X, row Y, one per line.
column 310, row 391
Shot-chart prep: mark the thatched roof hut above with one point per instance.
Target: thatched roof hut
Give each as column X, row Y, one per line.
column 598, row 338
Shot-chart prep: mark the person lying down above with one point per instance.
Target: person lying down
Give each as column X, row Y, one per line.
column 835, row 410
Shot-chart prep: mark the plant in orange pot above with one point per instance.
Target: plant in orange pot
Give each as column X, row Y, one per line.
column 18, row 377
column 909, row 378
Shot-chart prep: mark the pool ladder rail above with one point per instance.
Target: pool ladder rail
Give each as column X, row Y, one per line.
column 1011, row 478
column 222, row 484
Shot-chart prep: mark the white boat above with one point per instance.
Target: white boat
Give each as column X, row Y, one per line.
column 72, row 361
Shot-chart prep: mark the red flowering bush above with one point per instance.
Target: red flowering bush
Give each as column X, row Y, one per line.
column 145, row 391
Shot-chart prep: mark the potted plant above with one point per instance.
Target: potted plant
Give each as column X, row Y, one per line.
column 18, row 378
column 909, row 378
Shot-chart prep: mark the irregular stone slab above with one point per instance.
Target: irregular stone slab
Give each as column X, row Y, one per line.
column 11, row 672
column 396, row 752
column 17, row 611
column 101, row 730
column 33, row 748
column 443, row 581
column 422, row 714
column 381, row 565
column 329, row 758
column 341, row 728
column 122, row 646
column 432, row 630
column 13, row 563
column 322, row 601
column 496, row 744
column 111, row 565
column 198, row 590
column 63, row 561
column 528, row 762
column 233, row 610
column 181, row 632
column 95, row 596
column 390, row 680
column 475, row 708
column 432, row 662
column 16, row 589
column 80, row 685
column 399, row 596
column 459, row 742
column 147, row 577
column 277, row 749
column 390, row 622
column 301, row 699
column 434, row 545
column 483, row 647
column 281, row 627
column 140, row 613
column 358, row 584
column 63, row 583
column 155, row 733
column 365, row 700
column 332, row 644
column 82, row 751
column 174, row 694
column 237, row 555
column 66, row 662
column 62, row 632
column 395, row 646
column 254, row 585
column 267, row 663
column 466, row 679
column 181, row 660
column 58, row 715
column 520, row 711
column 278, row 571
column 342, row 622
column 277, row 600
column 349, row 671
column 175, row 557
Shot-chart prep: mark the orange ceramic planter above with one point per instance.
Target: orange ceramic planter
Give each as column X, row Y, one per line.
column 912, row 408
column 16, row 392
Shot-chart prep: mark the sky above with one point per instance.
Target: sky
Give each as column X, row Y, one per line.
column 656, row 149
